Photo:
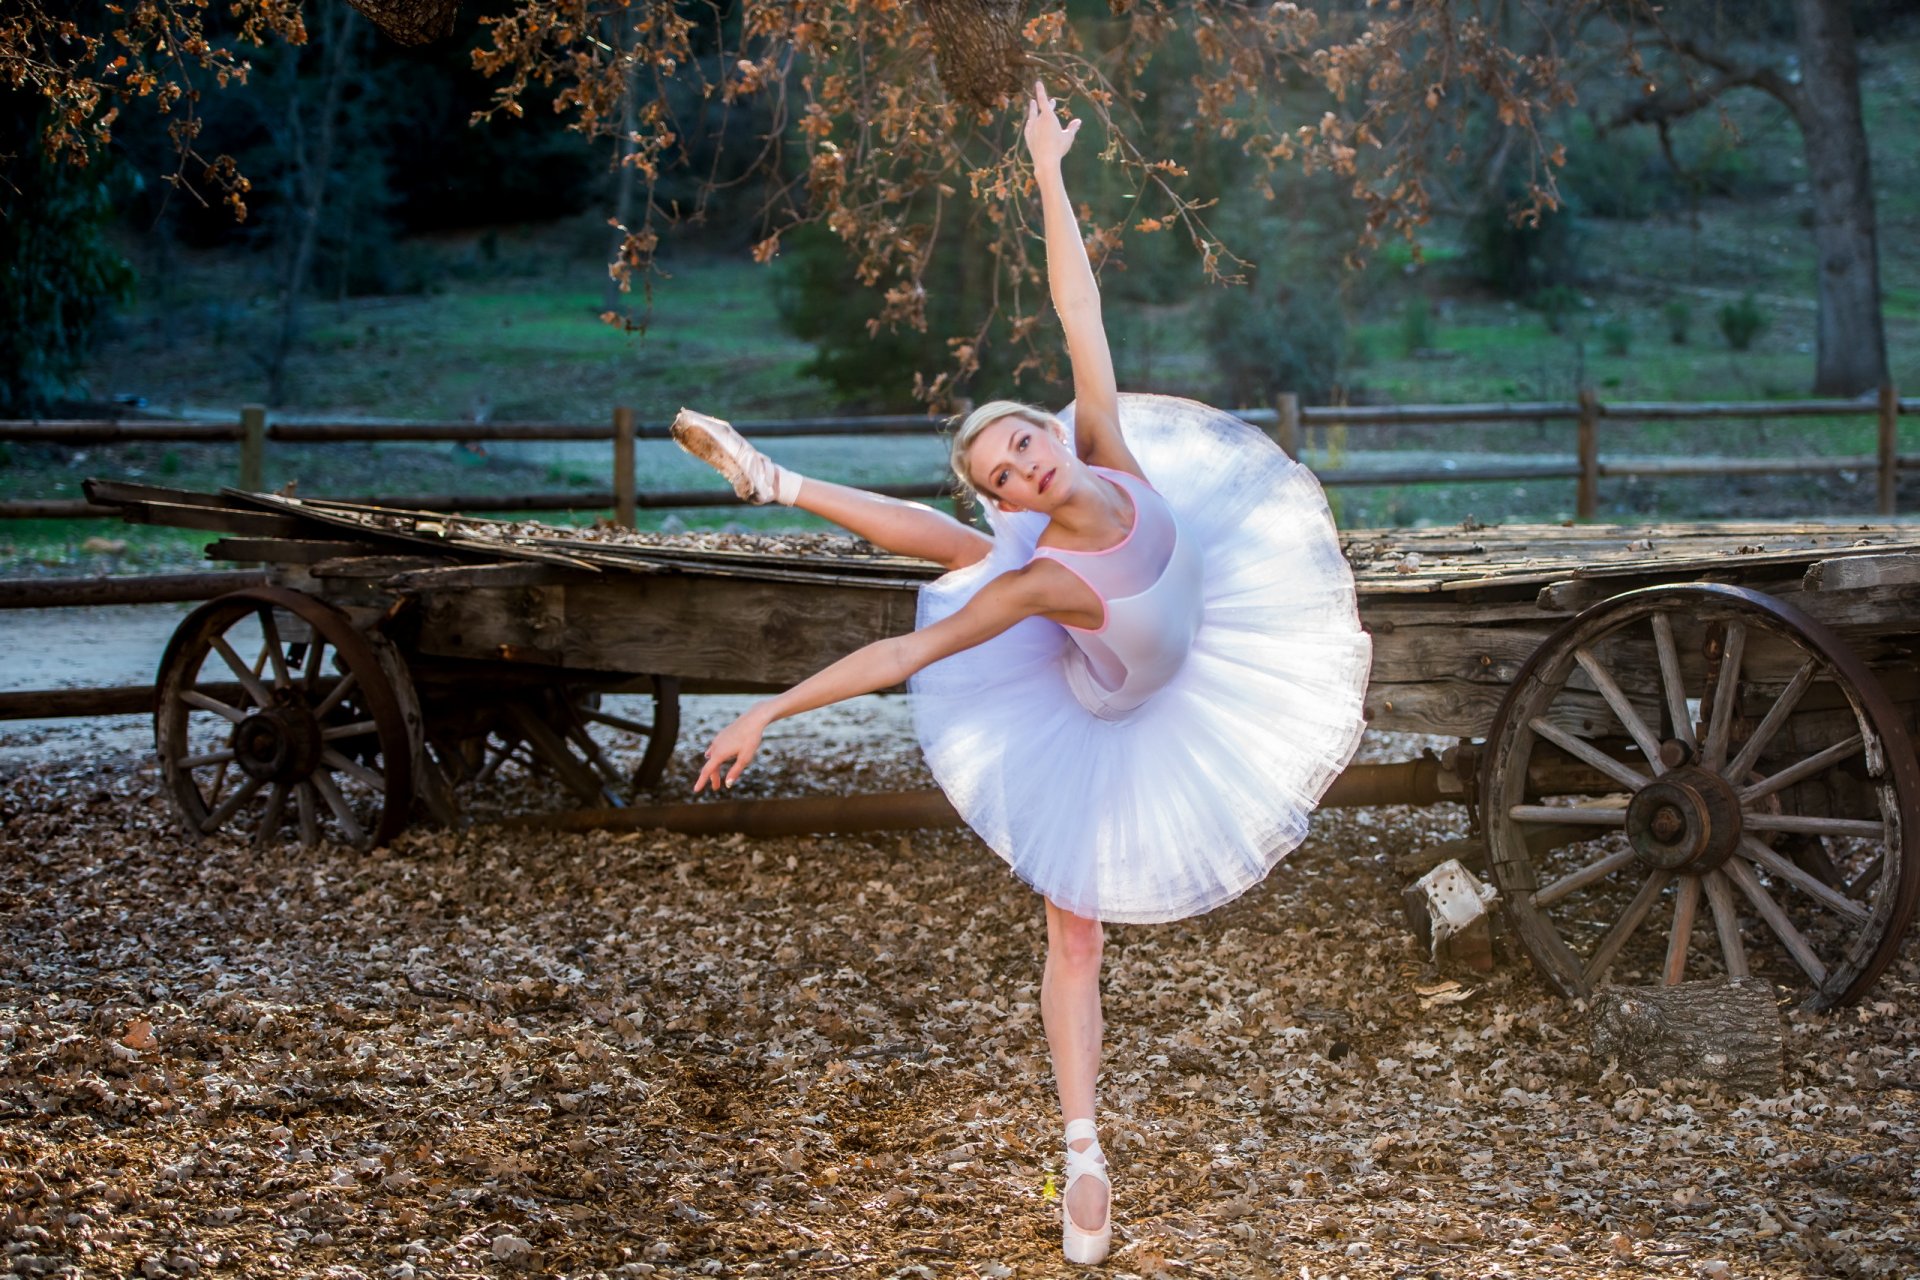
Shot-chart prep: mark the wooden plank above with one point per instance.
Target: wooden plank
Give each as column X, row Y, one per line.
column 115, row 431
column 374, row 568
column 1847, row 573
column 726, row 629
column 107, row 492
column 257, row 524
column 505, row 574
column 53, row 509
column 144, row 588
column 286, row 550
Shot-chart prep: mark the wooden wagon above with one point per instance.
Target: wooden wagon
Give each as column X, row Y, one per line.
column 1687, row 750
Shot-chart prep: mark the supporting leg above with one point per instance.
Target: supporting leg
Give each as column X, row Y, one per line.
column 1070, row 1011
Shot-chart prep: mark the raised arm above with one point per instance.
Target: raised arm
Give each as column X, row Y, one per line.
column 1076, row 296
column 1038, row 588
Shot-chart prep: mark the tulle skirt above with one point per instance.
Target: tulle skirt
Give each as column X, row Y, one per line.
column 1190, row 800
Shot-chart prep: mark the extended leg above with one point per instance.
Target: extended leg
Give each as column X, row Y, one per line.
column 894, row 524
column 1070, row 1011
column 904, row 528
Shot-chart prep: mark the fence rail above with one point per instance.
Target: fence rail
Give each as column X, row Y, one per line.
column 1286, row 420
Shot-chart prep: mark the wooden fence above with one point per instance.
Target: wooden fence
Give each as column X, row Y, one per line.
column 1287, row 421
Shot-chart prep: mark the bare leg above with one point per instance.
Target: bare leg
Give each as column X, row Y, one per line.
column 893, row 524
column 1070, row 1011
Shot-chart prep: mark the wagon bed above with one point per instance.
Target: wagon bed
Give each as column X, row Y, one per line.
column 1706, row 722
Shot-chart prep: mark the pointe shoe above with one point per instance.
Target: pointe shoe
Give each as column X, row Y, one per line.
column 1080, row 1245
column 753, row 475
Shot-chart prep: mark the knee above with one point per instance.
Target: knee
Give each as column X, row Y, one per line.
column 1075, row 941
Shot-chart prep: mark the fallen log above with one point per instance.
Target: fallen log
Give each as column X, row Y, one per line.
column 1724, row 1033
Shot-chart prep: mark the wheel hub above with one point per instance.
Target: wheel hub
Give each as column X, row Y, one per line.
column 277, row 744
column 1686, row 820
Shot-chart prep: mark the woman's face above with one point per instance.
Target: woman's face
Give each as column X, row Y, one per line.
column 1021, row 466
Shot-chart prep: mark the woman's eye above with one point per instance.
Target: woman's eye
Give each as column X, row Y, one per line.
column 1023, row 441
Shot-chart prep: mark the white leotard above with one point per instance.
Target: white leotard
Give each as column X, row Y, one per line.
column 1149, row 584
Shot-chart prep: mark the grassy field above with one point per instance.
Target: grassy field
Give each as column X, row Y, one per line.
column 513, row 334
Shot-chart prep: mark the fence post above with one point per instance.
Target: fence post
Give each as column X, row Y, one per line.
column 253, row 448
column 1286, row 423
column 1889, row 450
column 1589, row 448
column 624, row 484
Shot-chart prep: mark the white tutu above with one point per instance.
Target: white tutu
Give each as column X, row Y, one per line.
column 1188, row 801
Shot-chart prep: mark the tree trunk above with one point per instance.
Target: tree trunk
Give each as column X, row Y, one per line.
column 1725, row 1033
column 313, row 173
column 1852, row 348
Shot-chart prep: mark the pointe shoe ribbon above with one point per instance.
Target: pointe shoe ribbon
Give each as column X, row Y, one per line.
column 754, row 476
column 1079, row 1244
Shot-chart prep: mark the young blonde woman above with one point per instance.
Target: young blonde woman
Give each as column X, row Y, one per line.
column 1135, row 690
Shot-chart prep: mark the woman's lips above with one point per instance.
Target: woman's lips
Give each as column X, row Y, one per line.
column 1046, row 481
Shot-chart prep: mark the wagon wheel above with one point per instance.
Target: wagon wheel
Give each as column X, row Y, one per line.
column 564, row 731
column 1703, row 742
column 310, row 733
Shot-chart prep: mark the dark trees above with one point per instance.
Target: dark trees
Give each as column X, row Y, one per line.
column 1824, row 99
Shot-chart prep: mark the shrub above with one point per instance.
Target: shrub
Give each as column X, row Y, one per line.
column 1266, row 339
column 1679, row 318
column 1741, row 322
column 1616, row 335
column 1556, row 304
column 1519, row 259
column 1416, row 325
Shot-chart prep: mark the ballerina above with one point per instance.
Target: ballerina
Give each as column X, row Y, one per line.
column 1135, row 691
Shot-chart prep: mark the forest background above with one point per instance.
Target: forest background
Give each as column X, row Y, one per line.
column 399, row 260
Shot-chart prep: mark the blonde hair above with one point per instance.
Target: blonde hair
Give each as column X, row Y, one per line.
column 979, row 420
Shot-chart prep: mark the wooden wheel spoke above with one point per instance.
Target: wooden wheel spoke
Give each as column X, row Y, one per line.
column 270, row 821
column 353, row 769
column 1582, row 816
column 1868, row 874
column 1800, row 770
column 1623, row 710
column 617, row 722
column 1686, row 905
column 357, row 729
column 312, row 663
column 270, row 646
column 1715, row 750
column 1726, row 923
column 1624, row 774
column 338, row 803
column 248, row 677
column 306, row 802
column 207, row 758
column 1623, row 928
column 1770, row 723
column 1795, row 942
column 1815, row 826
column 1670, row 682
column 335, row 694
column 595, row 756
column 1800, row 879
column 207, row 702
column 1575, row 881
column 227, row 807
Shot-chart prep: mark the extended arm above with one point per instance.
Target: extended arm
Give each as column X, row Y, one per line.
column 1076, row 296
column 883, row 664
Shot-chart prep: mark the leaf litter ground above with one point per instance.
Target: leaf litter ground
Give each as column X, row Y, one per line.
column 510, row 1053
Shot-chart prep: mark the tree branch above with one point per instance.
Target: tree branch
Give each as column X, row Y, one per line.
column 1661, row 109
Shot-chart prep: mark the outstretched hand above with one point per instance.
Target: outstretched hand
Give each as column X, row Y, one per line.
column 738, row 742
column 1047, row 139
